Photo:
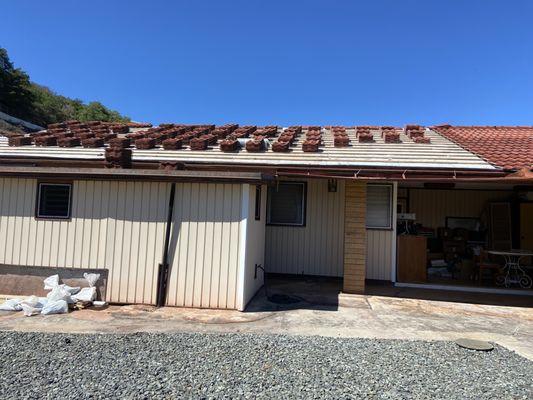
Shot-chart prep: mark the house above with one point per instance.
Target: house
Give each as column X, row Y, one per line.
column 194, row 215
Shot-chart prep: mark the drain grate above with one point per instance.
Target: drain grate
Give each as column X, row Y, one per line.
column 284, row 299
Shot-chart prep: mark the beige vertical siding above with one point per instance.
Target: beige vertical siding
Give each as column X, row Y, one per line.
column 316, row 248
column 255, row 246
column 433, row 206
column 204, row 250
column 114, row 225
column 379, row 252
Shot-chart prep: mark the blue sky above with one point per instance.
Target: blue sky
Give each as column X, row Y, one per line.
column 283, row 62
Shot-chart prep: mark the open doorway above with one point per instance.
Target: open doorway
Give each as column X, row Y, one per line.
column 465, row 237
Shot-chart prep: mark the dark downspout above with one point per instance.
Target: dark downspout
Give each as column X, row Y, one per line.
column 162, row 274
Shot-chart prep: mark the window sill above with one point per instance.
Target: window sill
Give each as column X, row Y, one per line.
column 287, row 225
column 52, row 218
column 378, row 229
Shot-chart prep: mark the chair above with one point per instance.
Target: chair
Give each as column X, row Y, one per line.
column 484, row 264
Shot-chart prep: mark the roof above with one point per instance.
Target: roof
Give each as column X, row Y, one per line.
column 435, row 152
column 508, row 147
column 28, row 126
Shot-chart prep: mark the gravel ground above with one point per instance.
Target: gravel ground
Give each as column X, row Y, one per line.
column 143, row 365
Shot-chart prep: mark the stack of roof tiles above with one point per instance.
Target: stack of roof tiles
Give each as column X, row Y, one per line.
column 417, row 133
column 340, row 137
column 313, row 139
column 118, row 154
column 364, row 134
column 73, row 133
column 390, row 135
column 286, row 139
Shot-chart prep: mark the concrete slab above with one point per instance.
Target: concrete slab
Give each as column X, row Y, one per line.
column 337, row 315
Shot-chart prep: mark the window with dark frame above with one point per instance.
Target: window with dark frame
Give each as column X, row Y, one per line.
column 287, row 204
column 379, row 206
column 258, row 203
column 54, row 200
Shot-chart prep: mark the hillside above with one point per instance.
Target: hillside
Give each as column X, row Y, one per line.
column 22, row 98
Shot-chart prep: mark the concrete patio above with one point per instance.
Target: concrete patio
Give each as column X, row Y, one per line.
column 384, row 312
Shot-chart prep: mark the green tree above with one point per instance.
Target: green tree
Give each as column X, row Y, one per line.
column 15, row 89
column 96, row 111
column 38, row 104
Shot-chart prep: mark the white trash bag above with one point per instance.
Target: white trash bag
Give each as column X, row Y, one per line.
column 91, row 278
column 11, row 305
column 85, row 294
column 55, row 307
column 60, row 293
column 51, row 282
column 71, row 289
column 33, row 305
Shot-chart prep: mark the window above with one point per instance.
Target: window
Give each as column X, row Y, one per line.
column 379, row 206
column 286, row 204
column 53, row 200
column 258, row 202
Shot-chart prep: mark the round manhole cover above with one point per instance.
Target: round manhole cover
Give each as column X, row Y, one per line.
column 283, row 299
column 473, row 344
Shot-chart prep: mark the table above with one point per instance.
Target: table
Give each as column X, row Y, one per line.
column 513, row 272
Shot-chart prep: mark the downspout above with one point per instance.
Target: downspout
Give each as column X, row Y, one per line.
column 162, row 275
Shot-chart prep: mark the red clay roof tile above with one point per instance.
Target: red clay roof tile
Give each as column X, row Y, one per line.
column 509, row 147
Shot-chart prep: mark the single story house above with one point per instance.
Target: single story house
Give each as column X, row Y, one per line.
column 194, row 215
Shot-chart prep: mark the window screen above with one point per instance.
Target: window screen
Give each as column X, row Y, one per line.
column 286, row 204
column 378, row 206
column 54, row 200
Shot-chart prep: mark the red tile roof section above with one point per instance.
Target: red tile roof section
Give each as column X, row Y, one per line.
column 508, row 147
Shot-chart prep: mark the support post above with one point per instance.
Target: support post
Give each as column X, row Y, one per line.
column 354, row 237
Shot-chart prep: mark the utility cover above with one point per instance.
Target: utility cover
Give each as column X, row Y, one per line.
column 473, row 344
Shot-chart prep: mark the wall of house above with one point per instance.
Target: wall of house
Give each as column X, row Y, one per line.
column 317, row 247
column 381, row 248
column 255, row 246
column 120, row 227
column 215, row 244
column 433, row 206
column 205, row 245
column 115, row 225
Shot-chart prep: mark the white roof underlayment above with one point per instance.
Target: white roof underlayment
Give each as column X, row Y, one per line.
column 440, row 153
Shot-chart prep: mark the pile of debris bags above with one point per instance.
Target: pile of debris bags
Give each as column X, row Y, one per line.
column 59, row 299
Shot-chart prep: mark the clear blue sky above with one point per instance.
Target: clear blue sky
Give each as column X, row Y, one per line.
column 283, row 62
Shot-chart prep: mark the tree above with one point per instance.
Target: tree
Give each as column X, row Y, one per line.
column 96, row 111
column 15, row 89
column 38, row 104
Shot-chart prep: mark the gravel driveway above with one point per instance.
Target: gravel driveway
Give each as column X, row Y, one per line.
column 143, row 365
